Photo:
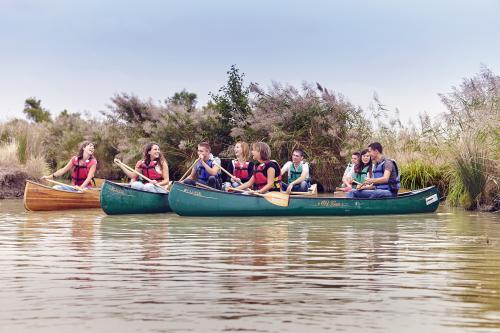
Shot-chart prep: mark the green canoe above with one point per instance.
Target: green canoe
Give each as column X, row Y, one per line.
column 194, row 201
column 121, row 199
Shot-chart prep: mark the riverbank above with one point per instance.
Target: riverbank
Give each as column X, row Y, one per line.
column 12, row 181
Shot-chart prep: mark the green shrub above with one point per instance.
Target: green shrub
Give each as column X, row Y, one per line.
column 419, row 174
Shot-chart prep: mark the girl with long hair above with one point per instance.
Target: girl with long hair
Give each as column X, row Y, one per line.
column 82, row 166
column 266, row 173
column 242, row 167
column 154, row 166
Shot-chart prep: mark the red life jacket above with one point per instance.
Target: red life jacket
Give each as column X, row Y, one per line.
column 150, row 171
column 240, row 170
column 79, row 172
column 260, row 175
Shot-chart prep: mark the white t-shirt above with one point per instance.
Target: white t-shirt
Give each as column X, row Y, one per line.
column 305, row 166
column 349, row 170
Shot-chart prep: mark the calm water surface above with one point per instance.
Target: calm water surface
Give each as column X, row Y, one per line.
column 84, row 271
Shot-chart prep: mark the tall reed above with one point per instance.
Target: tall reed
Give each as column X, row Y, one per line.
column 470, row 174
column 418, row 174
column 8, row 154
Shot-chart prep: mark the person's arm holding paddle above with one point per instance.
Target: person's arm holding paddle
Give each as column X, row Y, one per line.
column 248, row 184
column 60, row 172
column 194, row 171
column 363, row 186
column 127, row 172
column 213, row 171
column 271, row 173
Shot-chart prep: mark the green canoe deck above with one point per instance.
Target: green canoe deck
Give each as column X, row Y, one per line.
column 194, row 201
column 121, row 199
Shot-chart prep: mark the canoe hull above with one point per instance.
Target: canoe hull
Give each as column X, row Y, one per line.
column 38, row 197
column 121, row 199
column 193, row 201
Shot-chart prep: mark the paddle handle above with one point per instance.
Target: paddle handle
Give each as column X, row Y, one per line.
column 58, row 183
column 189, row 169
column 205, row 186
column 225, row 171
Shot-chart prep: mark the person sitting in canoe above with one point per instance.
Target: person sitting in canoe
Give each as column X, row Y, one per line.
column 359, row 173
column 205, row 171
column 385, row 176
column 82, row 166
column 266, row 173
column 362, row 170
column 242, row 168
column 154, row 166
column 298, row 173
column 347, row 177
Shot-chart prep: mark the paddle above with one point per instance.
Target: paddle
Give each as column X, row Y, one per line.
column 62, row 184
column 401, row 190
column 136, row 172
column 276, row 198
column 189, row 169
column 205, row 186
column 225, row 171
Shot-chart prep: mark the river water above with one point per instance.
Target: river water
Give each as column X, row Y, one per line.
column 81, row 271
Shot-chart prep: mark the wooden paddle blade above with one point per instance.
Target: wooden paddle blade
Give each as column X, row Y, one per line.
column 99, row 182
column 314, row 189
column 277, row 198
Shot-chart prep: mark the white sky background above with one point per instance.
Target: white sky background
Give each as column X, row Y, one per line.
column 77, row 54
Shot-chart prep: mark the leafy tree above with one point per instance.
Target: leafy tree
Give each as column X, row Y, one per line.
column 130, row 109
column 322, row 123
column 232, row 105
column 34, row 111
column 184, row 98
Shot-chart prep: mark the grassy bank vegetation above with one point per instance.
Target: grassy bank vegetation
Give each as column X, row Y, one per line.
column 458, row 151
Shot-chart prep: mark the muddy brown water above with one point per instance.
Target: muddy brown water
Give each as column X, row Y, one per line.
column 81, row 271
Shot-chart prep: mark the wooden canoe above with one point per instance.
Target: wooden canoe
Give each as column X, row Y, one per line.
column 121, row 199
column 194, row 201
column 40, row 197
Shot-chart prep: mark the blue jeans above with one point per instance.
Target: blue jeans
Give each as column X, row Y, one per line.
column 370, row 194
column 227, row 185
column 302, row 187
column 65, row 188
column 147, row 187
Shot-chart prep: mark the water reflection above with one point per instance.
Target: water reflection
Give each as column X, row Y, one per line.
column 83, row 269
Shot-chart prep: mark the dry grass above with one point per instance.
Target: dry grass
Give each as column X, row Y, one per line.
column 36, row 167
column 8, row 154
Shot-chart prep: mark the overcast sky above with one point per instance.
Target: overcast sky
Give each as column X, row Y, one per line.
column 77, row 54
